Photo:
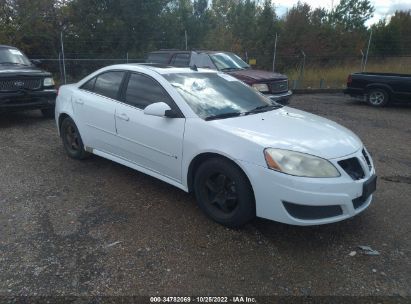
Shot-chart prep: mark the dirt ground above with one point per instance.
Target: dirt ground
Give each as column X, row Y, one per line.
column 98, row 228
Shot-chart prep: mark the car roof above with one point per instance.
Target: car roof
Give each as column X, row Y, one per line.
column 7, row 46
column 159, row 68
column 210, row 52
column 174, row 51
column 168, row 51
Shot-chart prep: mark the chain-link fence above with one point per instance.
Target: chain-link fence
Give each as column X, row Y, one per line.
column 305, row 71
column 72, row 70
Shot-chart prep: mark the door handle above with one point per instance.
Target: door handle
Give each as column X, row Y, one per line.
column 123, row 116
column 79, row 101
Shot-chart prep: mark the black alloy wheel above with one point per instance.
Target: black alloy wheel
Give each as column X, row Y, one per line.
column 72, row 141
column 224, row 192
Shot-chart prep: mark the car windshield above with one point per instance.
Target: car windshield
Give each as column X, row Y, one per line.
column 13, row 56
column 228, row 61
column 218, row 95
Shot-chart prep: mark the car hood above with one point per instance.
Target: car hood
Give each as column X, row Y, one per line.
column 253, row 76
column 21, row 70
column 295, row 130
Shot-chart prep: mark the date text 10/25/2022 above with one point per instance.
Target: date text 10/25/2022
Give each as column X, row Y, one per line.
column 207, row 299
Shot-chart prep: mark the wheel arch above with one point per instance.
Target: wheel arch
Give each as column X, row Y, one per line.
column 62, row 116
column 201, row 158
column 382, row 86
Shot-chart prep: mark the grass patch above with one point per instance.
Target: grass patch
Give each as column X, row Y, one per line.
column 335, row 76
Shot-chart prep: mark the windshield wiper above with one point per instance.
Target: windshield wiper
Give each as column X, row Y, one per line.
column 264, row 108
column 224, row 115
column 230, row 69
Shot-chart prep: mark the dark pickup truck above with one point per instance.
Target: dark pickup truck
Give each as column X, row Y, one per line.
column 23, row 86
column 273, row 85
column 379, row 89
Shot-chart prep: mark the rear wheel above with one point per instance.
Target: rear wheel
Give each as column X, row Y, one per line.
column 72, row 141
column 378, row 97
column 224, row 193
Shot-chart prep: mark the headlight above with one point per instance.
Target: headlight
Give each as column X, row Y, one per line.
column 262, row 87
column 48, row 82
column 299, row 164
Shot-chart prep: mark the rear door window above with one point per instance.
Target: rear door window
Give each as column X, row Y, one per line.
column 108, row 84
column 89, row 85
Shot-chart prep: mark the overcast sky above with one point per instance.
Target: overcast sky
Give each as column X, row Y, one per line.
column 383, row 8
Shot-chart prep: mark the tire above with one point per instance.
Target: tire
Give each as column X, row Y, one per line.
column 48, row 112
column 224, row 193
column 378, row 97
column 72, row 142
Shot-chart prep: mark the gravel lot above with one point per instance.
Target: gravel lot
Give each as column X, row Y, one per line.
column 98, row 228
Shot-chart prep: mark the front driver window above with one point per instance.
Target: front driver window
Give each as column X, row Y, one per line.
column 143, row 91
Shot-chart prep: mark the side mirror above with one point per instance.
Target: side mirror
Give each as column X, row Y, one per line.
column 160, row 109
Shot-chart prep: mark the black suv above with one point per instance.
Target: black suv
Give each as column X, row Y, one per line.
column 23, row 86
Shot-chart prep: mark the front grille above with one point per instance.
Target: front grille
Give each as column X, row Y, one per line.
column 279, row 86
column 20, row 84
column 353, row 168
column 367, row 159
column 304, row 212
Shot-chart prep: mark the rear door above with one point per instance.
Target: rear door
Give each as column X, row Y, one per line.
column 94, row 108
column 155, row 143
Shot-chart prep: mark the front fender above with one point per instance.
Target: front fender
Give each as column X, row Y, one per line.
column 203, row 137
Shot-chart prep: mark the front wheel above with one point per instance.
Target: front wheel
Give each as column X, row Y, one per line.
column 224, row 193
column 73, row 144
column 378, row 97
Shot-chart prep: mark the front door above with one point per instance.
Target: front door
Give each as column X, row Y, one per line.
column 155, row 143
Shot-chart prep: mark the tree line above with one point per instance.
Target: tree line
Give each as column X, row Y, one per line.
column 110, row 28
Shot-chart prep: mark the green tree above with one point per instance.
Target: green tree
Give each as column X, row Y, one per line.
column 393, row 37
column 267, row 26
column 220, row 35
column 31, row 25
column 352, row 14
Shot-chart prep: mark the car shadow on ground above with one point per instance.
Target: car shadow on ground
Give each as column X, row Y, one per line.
column 26, row 118
column 281, row 235
column 319, row 236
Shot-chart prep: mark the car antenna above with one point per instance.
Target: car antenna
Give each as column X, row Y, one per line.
column 194, row 68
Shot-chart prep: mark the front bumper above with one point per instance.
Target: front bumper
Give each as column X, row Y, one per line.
column 27, row 100
column 277, row 194
column 282, row 98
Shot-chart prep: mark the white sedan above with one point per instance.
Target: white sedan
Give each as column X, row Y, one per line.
column 208, row 132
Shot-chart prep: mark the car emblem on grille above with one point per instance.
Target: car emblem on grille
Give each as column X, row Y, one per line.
column 19, row 84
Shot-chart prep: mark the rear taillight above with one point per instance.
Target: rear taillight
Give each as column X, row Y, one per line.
column 349, row 79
